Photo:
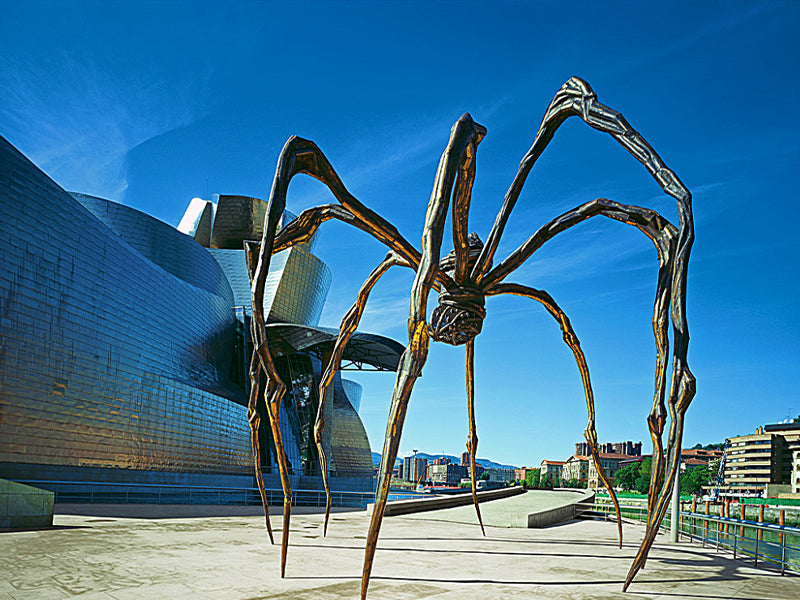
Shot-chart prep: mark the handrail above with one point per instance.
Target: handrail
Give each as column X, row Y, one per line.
column 170, row 485
column 154, row 493
column 722, row 532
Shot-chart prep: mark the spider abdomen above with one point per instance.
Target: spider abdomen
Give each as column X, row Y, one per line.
column 459, row 316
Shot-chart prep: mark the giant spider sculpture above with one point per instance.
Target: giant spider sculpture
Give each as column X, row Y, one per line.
column 463, row 279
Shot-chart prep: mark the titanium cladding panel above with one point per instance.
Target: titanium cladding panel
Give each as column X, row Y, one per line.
column 113, row 354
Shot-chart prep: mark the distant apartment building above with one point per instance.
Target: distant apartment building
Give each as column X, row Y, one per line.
column 502, row 475
column 465, row 458
column 611, row 464
column 415, row 469
column 551, row 469
column 796, row 472
column 628, row 448
column 521, row 474
column 441, row 460
column 576, row 467
column 701, row 454
column 448, row 474
column 763, row 462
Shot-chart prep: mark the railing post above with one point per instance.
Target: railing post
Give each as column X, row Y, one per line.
column 741, row 516
column 783, row 553
column 760, row 535
column 705, row 523
column 735, row 539
column 694, row 522
column 676, row 507
column 727, row 507
column 781, row 522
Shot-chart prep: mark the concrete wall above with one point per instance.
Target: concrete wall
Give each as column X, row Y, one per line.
column 555, row 515
column 23, row 506
column 403, row 507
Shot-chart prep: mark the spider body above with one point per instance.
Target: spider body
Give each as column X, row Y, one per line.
column 463, row 279
column 459, row 316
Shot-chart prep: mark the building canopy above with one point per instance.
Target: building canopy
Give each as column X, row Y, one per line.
column 379, row 352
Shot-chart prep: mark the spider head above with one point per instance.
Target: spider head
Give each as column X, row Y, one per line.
column 459, row 316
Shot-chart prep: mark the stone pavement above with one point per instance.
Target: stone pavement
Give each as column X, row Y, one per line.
column 97, row 557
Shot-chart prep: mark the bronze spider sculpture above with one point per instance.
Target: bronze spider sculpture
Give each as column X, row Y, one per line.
column 463, row 279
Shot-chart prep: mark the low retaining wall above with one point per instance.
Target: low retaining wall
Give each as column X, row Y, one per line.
column 553, row 515
column 404, row 507
column 23, row 506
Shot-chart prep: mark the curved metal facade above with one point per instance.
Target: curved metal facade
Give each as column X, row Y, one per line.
column 124, row 346
column 113, row 353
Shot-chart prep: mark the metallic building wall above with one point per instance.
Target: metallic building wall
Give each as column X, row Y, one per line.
column 352, row 390
column 108, row 359
column 296, row 288
column 160, row 243
column 350, row 451
column 234, row 265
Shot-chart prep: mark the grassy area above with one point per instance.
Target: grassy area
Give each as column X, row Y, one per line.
column 772, row 501
column 637, row 496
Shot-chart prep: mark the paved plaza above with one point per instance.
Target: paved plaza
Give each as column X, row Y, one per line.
column 101, row 555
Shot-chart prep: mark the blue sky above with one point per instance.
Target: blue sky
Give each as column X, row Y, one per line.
column 153, row 103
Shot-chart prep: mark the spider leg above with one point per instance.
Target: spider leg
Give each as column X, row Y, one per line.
column 472, row 441
column 273, row 394
column 303, row 156
column 572, row 341
column 576, row 98
column 347, row 327
column 463, row 134
column 673, row 250
column 255, row 423
column 462, row 196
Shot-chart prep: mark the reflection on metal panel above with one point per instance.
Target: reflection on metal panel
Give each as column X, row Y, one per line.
column 301, row 290
column 233, row 263
column 197, row 221
column 123, row 343
column 237, row 218
column 109, row 359
column 350, row 451
column 159, row 243
column 352, row 391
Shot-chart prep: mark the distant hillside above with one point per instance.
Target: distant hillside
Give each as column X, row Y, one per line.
column 485, row 462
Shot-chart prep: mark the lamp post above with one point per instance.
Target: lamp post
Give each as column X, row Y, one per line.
column 676, row 506
column 415, row 470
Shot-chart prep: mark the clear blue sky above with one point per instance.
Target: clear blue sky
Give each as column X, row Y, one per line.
column 152, row 103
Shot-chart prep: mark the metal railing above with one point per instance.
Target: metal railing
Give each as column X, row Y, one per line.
column 81, row 492
column 775, row 545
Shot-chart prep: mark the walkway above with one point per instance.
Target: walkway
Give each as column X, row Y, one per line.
column 508, row 512
column 230, row 558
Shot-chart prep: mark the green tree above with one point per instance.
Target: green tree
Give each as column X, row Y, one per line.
column 626, row 477
column 532, row 478
column 574, row 483
column 642, row 483
column 692, row 481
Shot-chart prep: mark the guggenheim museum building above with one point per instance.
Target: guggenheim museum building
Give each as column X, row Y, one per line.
column 124, row 345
